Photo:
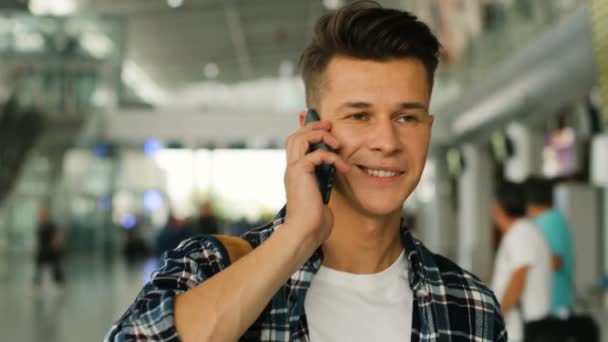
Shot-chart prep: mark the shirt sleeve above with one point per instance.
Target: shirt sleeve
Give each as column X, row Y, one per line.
column 151, row 316
column 521, row 246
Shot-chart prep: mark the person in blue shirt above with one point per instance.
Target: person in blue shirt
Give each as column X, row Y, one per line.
column 539, row 197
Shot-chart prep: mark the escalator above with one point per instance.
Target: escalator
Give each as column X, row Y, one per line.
column 20, row 128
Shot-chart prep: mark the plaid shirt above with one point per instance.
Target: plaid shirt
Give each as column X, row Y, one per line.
column 450, row 304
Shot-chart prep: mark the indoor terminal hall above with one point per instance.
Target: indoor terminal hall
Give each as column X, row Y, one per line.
column 304, row 170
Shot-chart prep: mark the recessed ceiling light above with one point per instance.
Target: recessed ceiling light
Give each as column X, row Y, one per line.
column 55, row 7
column 332, row 4
column 211, row 70
column 175, row 3
column 97, row 44
column 286, row 68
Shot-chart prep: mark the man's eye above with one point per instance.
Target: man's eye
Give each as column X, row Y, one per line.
column 408, row 118
column 359, row 116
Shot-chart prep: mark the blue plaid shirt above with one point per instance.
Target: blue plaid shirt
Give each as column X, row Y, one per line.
column 450, row 304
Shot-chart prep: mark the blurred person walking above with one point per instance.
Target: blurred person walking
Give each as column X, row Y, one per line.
column 207, row 221
column 522, row 268
column 557, row 232
column 169, row 237
column 49, row 248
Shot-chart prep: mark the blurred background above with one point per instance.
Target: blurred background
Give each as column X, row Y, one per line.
column 129, row 125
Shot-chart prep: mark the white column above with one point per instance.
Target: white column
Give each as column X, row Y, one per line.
column 437, row 227
column 599, row 177
column 603, row 257
column 476, row 190
column 528, row 147
column 580, row 203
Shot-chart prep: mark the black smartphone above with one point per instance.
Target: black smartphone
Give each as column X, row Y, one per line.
column 325, row 173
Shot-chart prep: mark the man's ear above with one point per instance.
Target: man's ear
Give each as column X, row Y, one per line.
column 496, row 210
column 302, row 119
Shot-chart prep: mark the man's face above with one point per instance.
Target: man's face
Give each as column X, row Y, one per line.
column 379, row 113
column 498, row 216
column 43, row 215
column 206, row 209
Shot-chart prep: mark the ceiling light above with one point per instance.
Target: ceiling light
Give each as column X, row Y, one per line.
column 29, row 41
column 135, row 77
column 97, row 44
column 55, row 7
column 286, row 68
column 332, row 4
column 175, row 3
column 211, row 70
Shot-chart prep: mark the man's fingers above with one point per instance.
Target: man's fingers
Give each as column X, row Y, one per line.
column 299, row 144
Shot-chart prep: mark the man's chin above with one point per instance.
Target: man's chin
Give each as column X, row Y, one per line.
column 380, row 207
column 372, row 203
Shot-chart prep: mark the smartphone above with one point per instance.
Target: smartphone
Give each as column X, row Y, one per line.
column 324, row 173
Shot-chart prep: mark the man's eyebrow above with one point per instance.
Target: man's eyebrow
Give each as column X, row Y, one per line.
column 355, row 104
column 412, row 105
column 402, row 105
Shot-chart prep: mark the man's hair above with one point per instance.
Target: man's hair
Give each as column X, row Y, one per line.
column 510, row 196
column 539, row 191
column 366, row 30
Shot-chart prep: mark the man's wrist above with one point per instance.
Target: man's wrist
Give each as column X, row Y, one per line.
column 301, row 244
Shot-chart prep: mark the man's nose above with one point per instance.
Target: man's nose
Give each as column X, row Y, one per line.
column 385, row 137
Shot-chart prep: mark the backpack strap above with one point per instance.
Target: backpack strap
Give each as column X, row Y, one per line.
column 236, row 247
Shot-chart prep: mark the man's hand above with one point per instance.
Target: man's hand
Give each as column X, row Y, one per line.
column 514, row 290
column 222, row 307
column 306, row 212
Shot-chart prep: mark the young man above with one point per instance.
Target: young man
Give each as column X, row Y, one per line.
column 522, row 269
column 349, row 270
column 555, row 227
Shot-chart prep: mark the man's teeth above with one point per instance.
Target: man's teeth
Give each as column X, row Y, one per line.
column 381, row 173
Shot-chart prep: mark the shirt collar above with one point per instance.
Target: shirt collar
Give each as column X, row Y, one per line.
column 418, row 261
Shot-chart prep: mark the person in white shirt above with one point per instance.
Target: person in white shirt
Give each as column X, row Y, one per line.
column 522, row 268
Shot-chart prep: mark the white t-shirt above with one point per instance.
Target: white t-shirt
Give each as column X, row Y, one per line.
column 523, row 245
column 343, row 306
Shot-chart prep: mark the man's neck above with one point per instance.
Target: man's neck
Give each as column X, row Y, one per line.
column 510, row 223
column 536, row 210
column 362, row 244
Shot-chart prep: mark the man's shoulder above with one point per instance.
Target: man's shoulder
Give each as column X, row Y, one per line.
column 468, row 306
column 524, row 231
column 460, row 283
column 258, row 235
column 459, row 280
column 200, row 250
column 462, row 299
column 207, row 253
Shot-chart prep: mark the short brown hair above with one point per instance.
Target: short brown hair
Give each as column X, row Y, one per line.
column 366, row 30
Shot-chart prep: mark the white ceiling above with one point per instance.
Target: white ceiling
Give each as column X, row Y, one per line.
column 249, row 41
column 246, row 39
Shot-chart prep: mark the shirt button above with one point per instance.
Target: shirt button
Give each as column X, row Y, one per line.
column 422, row 293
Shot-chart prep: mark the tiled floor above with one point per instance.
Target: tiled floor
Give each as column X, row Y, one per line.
column 96, row 294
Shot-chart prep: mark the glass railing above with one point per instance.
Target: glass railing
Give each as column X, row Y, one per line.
column 59, row 64
column 478, row 35
column 69, row 58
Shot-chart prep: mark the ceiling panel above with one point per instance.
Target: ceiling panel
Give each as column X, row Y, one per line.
column 246, row 39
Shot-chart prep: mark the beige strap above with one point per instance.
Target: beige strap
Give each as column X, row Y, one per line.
column 235, row 246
